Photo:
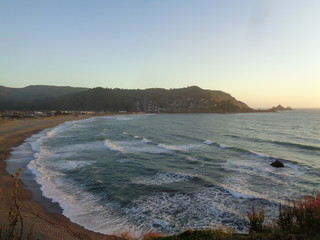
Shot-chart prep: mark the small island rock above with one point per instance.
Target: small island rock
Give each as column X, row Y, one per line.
column 277, row 164
column 279, row 108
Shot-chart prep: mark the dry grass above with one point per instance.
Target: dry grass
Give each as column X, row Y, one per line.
column 13, row 227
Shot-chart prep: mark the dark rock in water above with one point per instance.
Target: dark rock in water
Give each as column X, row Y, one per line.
column 277, row 164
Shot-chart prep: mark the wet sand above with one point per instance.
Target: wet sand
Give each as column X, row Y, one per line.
column 46, row 224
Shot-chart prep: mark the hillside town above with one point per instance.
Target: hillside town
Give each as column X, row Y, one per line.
column 40, row 114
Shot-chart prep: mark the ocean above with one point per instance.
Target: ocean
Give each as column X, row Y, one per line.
column 170, row 172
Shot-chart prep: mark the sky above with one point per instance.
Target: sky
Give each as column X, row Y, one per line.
column 262, row 52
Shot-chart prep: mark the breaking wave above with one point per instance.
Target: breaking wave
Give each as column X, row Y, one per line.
column 162, row 178
column 164, row 174
column 114, row 146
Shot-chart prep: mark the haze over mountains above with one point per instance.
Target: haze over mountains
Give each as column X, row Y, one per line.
column 48, row 98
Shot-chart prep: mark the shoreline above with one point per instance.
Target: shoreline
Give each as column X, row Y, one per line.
column 27, row 177
column 49, row 223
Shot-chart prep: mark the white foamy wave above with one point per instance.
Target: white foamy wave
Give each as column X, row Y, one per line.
column 207, row 208
column 113, row 146
column 20, row 157
column 271, row 176
column 36, row 139
column 78, row 124
column 79, row 205
column 32, row 146
column 238, row 186
column 224, row 146
column 55, row 131
column 273, row 180
column 291, row 169
column 143, row 148
column 208, row 142
column 163, row 178
column 169, row 147
column 21, row 151
column 123, row 160
column 104, row 132
column 242, row 193
column 124, row 118
column 133, row 147
column 58, row 130
column 76, row 149
column 127, row 117
column 145, row 140
column 35, row 145
column 71, row 165
column 261, row 155
column 181, row 148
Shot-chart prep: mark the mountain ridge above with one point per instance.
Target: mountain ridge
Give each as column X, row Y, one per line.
column 177, row 100
column 36, row 92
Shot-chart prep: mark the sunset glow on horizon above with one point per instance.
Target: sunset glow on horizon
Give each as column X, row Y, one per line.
column 263, row 53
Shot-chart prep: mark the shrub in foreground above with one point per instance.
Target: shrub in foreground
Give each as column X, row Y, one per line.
column 302, row 216
column 13, row 227
column 256, row 220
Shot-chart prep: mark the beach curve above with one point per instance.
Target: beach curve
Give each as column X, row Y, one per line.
column 46, row 225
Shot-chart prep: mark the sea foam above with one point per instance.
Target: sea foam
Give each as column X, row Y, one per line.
column 207, row 208
column 181, row 148
column 172, row 199
column 162, row 178
column 114, row 146
column 79, row 205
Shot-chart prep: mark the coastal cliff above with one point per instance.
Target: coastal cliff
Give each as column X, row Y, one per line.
column 157, row 100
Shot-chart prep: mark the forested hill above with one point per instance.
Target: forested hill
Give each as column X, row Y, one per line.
column 190, row 99
column 26, row 98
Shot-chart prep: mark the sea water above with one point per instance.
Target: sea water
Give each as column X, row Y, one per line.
column 171, row 172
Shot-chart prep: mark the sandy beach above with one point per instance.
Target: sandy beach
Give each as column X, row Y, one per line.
column 45, row 225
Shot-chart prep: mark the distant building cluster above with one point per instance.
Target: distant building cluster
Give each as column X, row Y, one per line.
column 173, row 106
column 39, row 114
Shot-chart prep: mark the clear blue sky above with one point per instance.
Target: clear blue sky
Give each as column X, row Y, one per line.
column 261, row 52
